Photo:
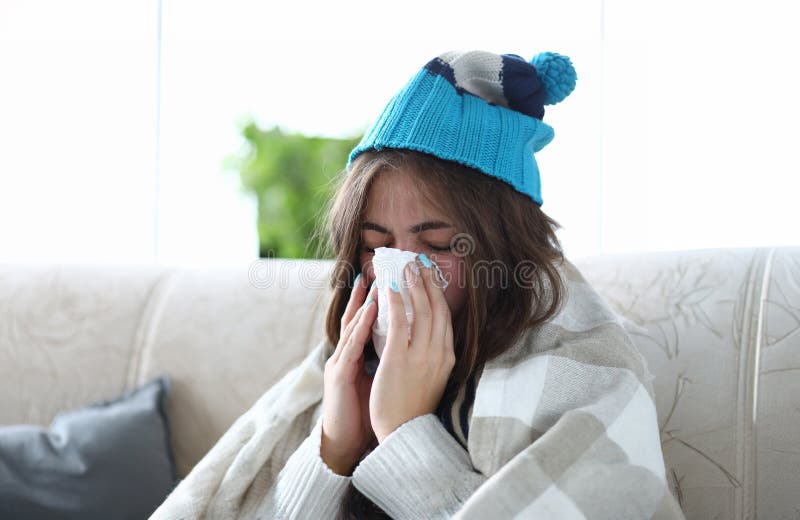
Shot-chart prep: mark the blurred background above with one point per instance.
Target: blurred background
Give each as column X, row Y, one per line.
column 178, row 132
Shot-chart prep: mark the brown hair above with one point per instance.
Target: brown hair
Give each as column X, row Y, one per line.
column 501, row 231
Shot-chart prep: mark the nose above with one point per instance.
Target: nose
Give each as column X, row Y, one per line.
column 408, row 244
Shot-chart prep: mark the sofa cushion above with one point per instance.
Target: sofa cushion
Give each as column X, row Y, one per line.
column 107, row 460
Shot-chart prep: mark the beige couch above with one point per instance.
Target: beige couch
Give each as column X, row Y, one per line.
column 720, row 329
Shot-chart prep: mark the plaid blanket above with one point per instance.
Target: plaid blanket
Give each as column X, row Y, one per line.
column 563, row 425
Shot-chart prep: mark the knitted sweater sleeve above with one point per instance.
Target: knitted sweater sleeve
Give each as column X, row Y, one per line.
column 306, row 487
column 419, row 471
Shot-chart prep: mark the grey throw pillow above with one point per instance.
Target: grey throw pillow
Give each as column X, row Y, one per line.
column 108, row 460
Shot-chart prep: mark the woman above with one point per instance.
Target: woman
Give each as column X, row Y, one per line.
column 481, row 220
column 517, row 392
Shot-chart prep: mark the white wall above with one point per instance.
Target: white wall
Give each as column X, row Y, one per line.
column 679, row 134
column 77, row 129
column 700, row 125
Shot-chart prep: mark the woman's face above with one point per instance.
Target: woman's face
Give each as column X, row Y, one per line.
column 397, row 217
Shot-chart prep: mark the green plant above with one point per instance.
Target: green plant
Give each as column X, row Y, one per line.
column 291, row 176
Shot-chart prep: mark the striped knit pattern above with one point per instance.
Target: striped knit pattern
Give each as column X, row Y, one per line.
column 563, row 425
column 506, row 79
column 456, row 413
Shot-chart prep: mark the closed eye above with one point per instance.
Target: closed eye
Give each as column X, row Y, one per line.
column 435, row 248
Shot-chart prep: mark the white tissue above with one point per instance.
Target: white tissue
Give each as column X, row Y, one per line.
column 389, row 264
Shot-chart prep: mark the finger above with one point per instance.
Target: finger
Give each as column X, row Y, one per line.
column 354, row 346
column 356, row 299
column 421, row 306
column 354, row 323
column 432, row 281
column 448, row 340
column 440, row 311
column 397, row 336
column 345, row 334
column 348, row 330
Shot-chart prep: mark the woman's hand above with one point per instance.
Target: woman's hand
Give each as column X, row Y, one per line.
column 413, row 372
column 346, row 428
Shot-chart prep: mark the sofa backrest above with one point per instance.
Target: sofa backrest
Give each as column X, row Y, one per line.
column 72, row 334
column 720, row 329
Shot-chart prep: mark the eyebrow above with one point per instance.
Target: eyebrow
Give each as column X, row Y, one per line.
column 417, row 228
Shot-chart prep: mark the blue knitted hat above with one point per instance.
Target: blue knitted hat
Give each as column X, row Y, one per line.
column 480, row 109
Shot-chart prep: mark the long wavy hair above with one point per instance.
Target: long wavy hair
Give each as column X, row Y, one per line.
column 507, row 242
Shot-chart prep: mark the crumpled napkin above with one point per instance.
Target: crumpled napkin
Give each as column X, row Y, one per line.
column 389, row 264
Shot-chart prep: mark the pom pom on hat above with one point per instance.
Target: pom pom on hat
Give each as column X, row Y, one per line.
column 556, row 74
